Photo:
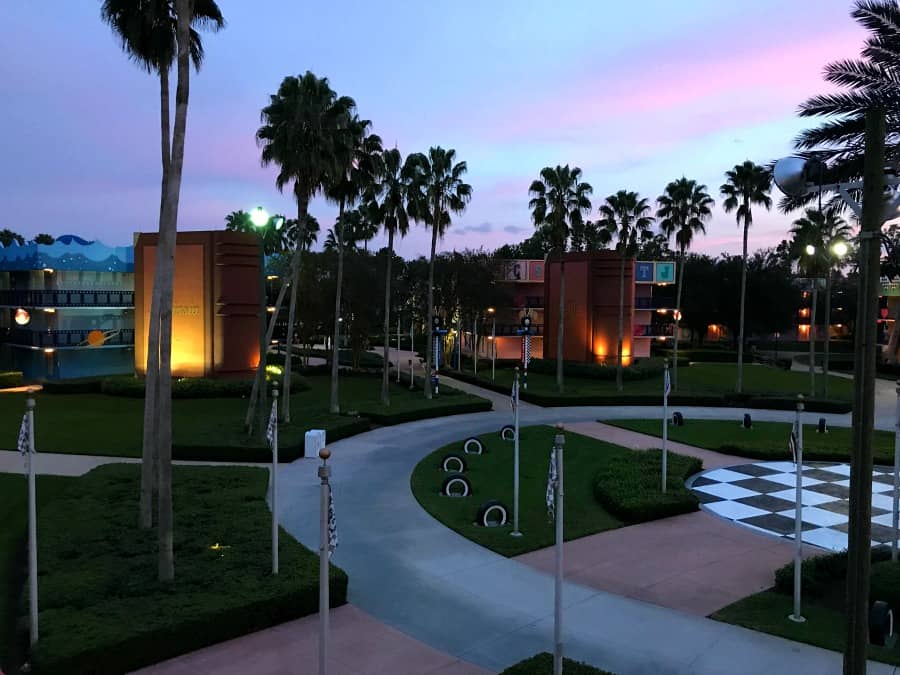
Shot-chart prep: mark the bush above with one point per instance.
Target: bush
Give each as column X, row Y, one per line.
column 12, row 378
column 629, row 486
column 824, row 577
column 542, row 664
column 710, row 355
column 438, row 410
column 190, row 387
column 640, row 369
column 884, row 583
column 83, row 385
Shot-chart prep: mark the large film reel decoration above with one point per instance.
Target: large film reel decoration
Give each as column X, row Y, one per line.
column 493, row 513
column 453, row 464
column 473, row 446
column 456, row 485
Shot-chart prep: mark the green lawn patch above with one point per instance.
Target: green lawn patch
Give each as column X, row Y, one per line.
column 101, row 607
column 212, row 428
column 765, row 441
column 491, row 476
column 542, row 664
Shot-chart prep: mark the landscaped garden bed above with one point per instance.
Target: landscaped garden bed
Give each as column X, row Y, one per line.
column 542, row 664
column 593, row 501
column 102, row 609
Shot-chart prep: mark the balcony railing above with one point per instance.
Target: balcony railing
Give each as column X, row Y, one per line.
column 511, row 328
column 12, row 297
column 70, row 338
column 654, row 303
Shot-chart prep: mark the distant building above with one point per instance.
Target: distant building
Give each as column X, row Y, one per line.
column 66, row 309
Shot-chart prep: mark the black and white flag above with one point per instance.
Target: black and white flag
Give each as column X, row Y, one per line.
column 552, row 479
column 271, row 428
column 514, row 395
column 792, row 443
column 332, row 524
column 22, row 443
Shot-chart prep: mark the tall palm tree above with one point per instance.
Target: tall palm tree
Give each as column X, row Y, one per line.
column 624, row 219
column 684, row 208
column 298, row 133
column 273, row 233
column 438, row 191
column 156, row 33
column 388, row 207
column 358, row 156
column 559, row 202
column 746, row 185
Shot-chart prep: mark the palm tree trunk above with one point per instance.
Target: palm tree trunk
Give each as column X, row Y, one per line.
column 166, row 252
column 561, row 325
column 302, row 211
column 385, row 393
column 619, row 384
column 335, row 403
column 740, row 364
column 430, row 342
column 827, row 335
column 812, row 340
column 151, row 402
column 677, row 325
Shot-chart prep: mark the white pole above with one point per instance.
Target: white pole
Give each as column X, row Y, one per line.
column 324, row 473
column 896, row 510
column 459, row 337
column 398, row 350
column 32, row 527
column 515, row 531
column 665, row 429
column 493, row 348
column 798, row 516
column 475, row 344
column 275, row 487
column 557, row 610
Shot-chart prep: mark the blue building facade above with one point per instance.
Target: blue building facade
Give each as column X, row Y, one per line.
column 67, row 309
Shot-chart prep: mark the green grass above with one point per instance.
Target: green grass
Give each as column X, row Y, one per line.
column 542, row 664
column 824, row 627
column 14, row 519
column 766, row 440
column 491, row 476
column 102, row 609
column 97, row 424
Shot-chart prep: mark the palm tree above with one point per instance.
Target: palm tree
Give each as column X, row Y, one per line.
column 684, row 208
column 624, row 219
column 746, row 185
column 154, row 34
column 388, row 207
column 273, row 233
column 559, row 201
column 357, row 154
column 438, row 191
column 298, row 133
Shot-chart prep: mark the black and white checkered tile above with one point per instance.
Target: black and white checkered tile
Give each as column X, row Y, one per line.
column 762, row 497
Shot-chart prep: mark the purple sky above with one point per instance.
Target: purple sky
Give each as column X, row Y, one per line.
column 636, row 94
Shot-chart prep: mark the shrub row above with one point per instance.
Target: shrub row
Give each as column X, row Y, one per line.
column 639, row 370
column 628, row 486
column 542, row 664
column 12, row 378
column 391, row 418
column 709, row 355
column 185, row 387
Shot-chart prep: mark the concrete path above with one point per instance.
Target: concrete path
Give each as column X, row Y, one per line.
column 359, row 645
column 63, row 464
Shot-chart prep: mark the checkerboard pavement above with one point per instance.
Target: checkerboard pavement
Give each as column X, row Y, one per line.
column 762, row 496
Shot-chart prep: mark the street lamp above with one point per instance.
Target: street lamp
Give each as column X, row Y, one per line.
column 839, row 249
column 493, row 313
column 810, row 249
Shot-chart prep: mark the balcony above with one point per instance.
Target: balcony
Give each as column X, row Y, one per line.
column 654, row 330
column 68, row 339
column 654, row 303
column 505, row 329
column 58, row 298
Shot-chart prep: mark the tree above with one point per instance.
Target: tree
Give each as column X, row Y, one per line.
column 438, row 192
column 298, row 133
column 746, row 185
column 272, row 233
column 7, row 237
column 43, row 239
column 559, row 201
column 624, row 219
column 684, row 208
column 154, row 33
column 357, row 155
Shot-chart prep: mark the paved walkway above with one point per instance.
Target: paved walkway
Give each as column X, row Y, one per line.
column 359, row 645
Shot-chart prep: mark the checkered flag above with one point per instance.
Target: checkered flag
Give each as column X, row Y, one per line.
column 792, row 442
column 22, row 443
column 526, row 350
column 514, row 395
column 437, row 352
column 667, row 383
column 272, row 427
column 332, row 524
column 552, row 482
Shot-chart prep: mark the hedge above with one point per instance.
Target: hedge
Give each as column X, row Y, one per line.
column 629, row 486
column 704, row 400
column 12, row 378
column 542, row 664
column 709, row 355
column 81, row 385
column 184, row 387
column 641, row 368
column 824, row 578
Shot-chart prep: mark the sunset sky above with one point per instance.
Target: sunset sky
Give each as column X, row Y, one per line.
column 636, row 94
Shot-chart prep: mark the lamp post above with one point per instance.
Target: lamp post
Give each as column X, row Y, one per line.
column 493, row 313
column 839, row 250
column 811, row 252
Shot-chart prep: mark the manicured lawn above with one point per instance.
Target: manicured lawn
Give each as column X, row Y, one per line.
column 824, row 627
column 101, row 607
column 587, row 462
column 766, row 440
column 14, row 519
column 98, row 424
column 542, row 664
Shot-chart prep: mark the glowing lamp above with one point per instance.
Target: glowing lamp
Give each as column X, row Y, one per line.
column 259, row 217
column 810, row 249
column 22, row 316
column 839, row 249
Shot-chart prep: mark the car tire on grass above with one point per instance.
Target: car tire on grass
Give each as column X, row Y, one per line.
column 456, row 481
column 493, row 513
column 473, row 446
column 453, row 463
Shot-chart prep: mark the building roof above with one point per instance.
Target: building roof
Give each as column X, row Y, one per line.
column 68, row 252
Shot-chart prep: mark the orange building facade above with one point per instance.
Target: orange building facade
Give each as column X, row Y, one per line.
column 216, row 303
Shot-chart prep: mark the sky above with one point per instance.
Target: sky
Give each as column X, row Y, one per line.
column 636, row 94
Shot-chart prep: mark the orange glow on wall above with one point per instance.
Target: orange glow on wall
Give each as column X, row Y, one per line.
column 803, row 331
column 804, row 312
column 715, row 331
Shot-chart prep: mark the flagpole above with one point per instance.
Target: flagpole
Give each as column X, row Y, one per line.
column 665, row 425
column 275, row 483
column 475, row 345
column 560, row 441
column 398, row 351
column 895, row 521
column 32, row 526
column 324, row 473
column 515, row 531
column 798, row 516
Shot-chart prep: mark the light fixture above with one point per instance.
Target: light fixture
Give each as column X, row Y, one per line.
column 22, row 316
column 271, row 277
column 49, row 310
column 49, row 350
column 839, row 249
column 270, row 310
column 810, row 249
column 259, row 217
column 48, row 270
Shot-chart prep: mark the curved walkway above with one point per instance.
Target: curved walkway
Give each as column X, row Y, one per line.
column 411, row 572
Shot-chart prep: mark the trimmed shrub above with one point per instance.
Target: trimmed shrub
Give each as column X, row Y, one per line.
column 710, row 355
column 640, row 369
column 190, row 387
column 629, row 486
column 83, row 385
column 542, row 664
column 824, row 577
column 400, row 417
column 884, row 583
column 12, row 378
